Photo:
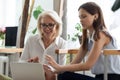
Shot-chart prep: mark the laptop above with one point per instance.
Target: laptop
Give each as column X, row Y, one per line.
column 27, row 71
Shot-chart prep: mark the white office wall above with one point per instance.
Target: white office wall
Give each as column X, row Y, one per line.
column 9, row 12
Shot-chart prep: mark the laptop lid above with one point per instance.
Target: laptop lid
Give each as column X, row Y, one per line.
column 27, row 71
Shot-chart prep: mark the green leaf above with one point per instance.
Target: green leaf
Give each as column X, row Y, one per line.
column 74, row 39
column 34, row 31
column 78, row 27
column 37, row 11
column 76, row 34
column 35, row 14
column 39, row 8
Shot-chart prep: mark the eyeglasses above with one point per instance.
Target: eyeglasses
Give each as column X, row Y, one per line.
column 49, row 25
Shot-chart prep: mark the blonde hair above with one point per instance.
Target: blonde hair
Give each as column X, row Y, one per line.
column 55, row 17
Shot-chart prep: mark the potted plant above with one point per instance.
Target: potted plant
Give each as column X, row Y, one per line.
column 2, row 36
column 77, row 34
column 36, row 13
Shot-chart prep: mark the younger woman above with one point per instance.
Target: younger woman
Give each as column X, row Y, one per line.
column 95, row 38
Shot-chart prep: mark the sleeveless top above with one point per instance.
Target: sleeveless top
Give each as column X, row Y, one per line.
column 112, row 60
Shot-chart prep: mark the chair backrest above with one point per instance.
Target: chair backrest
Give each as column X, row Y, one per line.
column 107, row 52
column 66, row 51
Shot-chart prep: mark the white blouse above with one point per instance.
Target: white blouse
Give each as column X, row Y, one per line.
column 35, row 47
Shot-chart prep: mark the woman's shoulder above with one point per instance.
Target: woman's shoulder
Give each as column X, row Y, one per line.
column 61, row 39
column 33, row 37
column 104, row 33
column 61, row 42
column 106, row 36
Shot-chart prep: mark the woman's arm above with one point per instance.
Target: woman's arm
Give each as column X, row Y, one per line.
column 79, row 56
column 25, row 53
column 92, row 57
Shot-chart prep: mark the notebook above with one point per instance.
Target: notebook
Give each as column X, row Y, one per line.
column 27, row 71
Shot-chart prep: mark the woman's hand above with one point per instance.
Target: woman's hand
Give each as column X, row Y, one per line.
column 53, row 63
column 49, row 74
column 35, row 59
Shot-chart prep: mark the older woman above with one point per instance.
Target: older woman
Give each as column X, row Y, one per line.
column 50, row 28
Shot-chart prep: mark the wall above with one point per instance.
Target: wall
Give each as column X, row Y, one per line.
column 10, row 11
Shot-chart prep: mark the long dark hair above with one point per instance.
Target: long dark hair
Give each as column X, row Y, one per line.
column 98, row 24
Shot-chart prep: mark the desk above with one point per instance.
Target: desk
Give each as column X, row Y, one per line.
column 9, row 51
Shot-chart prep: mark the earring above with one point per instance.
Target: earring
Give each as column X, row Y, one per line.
column 95, row 19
